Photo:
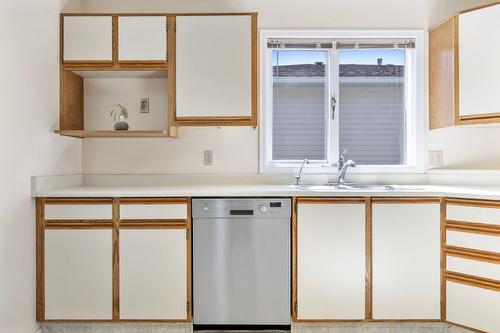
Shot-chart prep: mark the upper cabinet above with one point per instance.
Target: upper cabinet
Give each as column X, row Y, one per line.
column 142, row 38
column 115, row 41
column 464, row 72
column 216, row 70
column 87, row 39
column 179, row 70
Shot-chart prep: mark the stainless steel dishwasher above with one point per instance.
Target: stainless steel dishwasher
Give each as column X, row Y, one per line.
column 241, row 261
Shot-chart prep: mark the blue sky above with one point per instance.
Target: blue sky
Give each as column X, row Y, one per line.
column 367, row 57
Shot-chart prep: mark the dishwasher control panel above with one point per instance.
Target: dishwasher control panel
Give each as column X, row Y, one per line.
column 236, row 207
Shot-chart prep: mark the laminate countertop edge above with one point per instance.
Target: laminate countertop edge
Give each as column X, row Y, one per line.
column 468, row 192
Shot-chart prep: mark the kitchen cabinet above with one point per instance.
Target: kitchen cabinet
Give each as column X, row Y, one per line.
column 78, row 274
column 153, row 274
column 142, row 39
column 87, row 39
column 330, row 259
column 464, row 72
column 216, row 61
column 113, row 259
column 406, row 259
column 472, row 263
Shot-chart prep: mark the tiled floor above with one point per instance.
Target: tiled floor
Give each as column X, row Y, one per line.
column 296, row 328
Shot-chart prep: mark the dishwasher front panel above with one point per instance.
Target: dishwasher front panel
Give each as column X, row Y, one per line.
column 241, row 271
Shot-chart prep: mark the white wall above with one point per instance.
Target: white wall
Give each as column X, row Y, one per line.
column 29, row 91
column 100, row 94
column 460, row 145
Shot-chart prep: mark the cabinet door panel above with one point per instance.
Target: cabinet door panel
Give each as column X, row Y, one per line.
column 473, row 307
column 142, row 38
column 331, row 261
column 479, row 68
column 473, row 267
column 473, row 214
column 78, row 212
column 157, row 211
column 406, row 261
column 473, row 241
column 153, row 274
column 78, row 274
column 88, row 38
column 214, row 66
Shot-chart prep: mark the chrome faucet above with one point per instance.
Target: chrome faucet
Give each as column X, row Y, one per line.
column 298, row 178
column 343, row 166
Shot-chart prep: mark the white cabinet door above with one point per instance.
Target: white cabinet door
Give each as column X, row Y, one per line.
column 142, row 38
column 473, row 307
column 87, row 38
column 153, row 274
column 479, row 68
column 331, row 261
column 78, row 274
column 214, row 66
column 406, row 261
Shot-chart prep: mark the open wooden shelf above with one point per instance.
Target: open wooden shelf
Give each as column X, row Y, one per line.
column 170, row 133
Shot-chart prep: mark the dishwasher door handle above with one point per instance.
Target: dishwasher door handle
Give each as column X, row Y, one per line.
column 240, row 212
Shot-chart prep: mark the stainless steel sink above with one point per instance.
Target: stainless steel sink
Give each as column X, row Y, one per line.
column 356, row 186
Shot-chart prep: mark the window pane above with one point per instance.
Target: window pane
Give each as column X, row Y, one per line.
column 372, row 106
column 299, row 105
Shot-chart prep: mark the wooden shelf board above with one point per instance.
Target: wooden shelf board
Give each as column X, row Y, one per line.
column 171, row 133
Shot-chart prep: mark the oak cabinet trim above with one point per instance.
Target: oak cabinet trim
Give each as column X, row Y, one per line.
column 473, row 281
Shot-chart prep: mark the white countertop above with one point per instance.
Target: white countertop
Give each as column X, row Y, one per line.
column 472, row 192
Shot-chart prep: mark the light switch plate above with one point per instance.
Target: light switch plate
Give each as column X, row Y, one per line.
column 435, row 158
column 208, row 157
column 144, row 105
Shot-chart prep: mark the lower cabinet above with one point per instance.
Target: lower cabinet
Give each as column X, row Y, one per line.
column 330, row 259
column 153, row 274
column 78, row 274
column 406, row 259
column 110, row 259
column 473, row 307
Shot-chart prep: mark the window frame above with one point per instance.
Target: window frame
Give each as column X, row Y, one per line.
column 415, row 111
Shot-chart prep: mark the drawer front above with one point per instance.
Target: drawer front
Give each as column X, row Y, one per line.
column 473, row 241
column 78, row 212
column 473, row 214
column 154, row 211
column 472, row 306
column 473, row 267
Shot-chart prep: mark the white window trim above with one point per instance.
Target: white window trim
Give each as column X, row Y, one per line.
column 415, row 67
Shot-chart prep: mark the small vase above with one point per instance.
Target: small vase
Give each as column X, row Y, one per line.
column 121, row 124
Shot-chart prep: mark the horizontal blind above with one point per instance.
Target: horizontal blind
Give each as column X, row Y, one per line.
column 300, row 43
column 353, row 44
column 299, row 120
column 372, row 119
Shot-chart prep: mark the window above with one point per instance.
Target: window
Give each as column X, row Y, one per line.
column 323, row 95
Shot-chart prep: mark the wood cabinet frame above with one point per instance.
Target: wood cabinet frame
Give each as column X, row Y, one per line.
column 444, row 75
column 368, row 202
column 115, row 224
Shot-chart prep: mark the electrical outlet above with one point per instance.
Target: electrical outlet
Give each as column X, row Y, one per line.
column 208, row 157
column 435, row 158
column 144, row 105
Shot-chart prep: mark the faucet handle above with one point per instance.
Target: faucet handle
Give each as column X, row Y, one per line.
column 344, row 152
